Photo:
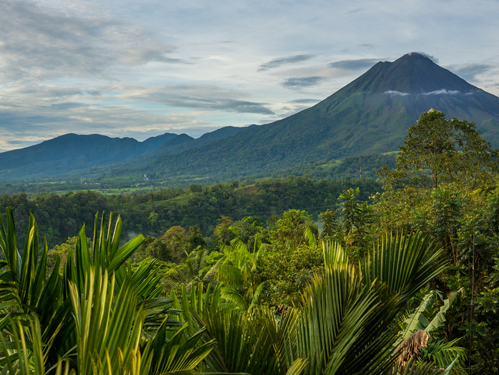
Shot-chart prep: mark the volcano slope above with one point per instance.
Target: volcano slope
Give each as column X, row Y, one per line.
column 370, row 115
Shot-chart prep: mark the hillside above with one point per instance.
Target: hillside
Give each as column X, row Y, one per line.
column 368, row 116
column 179, row 144
column 71, row 152
column 93, row 155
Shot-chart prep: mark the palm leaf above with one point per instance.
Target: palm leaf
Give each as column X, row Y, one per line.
column 404, row 263
column 103, row 324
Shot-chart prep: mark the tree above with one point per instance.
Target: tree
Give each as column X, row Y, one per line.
column 437, row 150
column 60, row 251
column 175, row 239
column 222, row 234
column 240, row 275
column 194, row 238
column 153, row 219
column 292, row 226
column 356, row 216
column 195, row 188
column 332, row 227
column 247, row 230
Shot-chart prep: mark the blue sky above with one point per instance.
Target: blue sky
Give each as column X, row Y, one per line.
column 143, row 68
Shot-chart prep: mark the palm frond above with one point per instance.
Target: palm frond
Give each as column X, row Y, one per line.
column 105, row 326
column 336, row 307
column 232, row 295
column 310, row 237
column 443, row 354
column 230, row 275
column 404, row 263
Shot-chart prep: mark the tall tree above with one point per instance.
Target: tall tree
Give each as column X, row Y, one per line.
column 437, row 150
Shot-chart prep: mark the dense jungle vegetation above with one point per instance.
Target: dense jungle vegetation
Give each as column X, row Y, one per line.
column 331, row 170
column 406, row 282
column 152, row 213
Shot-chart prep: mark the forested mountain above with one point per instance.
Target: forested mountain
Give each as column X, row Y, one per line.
column 173, row 143
column 71, row 152
column 186, row 143
column 368, row 116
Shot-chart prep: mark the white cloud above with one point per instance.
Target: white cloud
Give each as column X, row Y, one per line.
column 442, row 92
column 151, row 66
column 275, row 63
column 206, row 97
column 42, row 43
column 393, row 92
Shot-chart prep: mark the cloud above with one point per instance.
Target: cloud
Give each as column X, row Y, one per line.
column 29, row 115
column 68, row 105
column 201, row 97
column 305, row 101
column 42, row 43
column 307, row 76
column 356, row 10
column 393, row 92
column 436, row 92
column 354, row 64
column 240, row 106
column 431, row 57
column 299, row 83
column 60, row 109
column 442, row 92
column 470, row 72
column 284, row 61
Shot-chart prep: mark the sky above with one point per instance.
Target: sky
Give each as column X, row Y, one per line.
column 138, row 69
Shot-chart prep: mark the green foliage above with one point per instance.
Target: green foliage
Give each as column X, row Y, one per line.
column 338, row 329
column 240, row 275
column 222, row 234
column 357, row 304
column 60, row 216
column 357, row 167
column 357, row 216
column 152, row 248
column 94, row 316
column 438, row 151
column 290, row 260
column 290, row 229
column 110, row 318
column 61, row 251
column 447, row 188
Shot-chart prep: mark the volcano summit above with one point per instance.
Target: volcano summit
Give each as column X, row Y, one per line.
column 369, row 115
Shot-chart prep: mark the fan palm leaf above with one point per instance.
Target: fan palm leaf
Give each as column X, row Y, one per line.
column 345, row 323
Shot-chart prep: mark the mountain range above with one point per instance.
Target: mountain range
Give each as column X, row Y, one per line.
column 368, row 116
column 72, row 152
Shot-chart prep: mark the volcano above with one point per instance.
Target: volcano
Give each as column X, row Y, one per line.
column 370, row 115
